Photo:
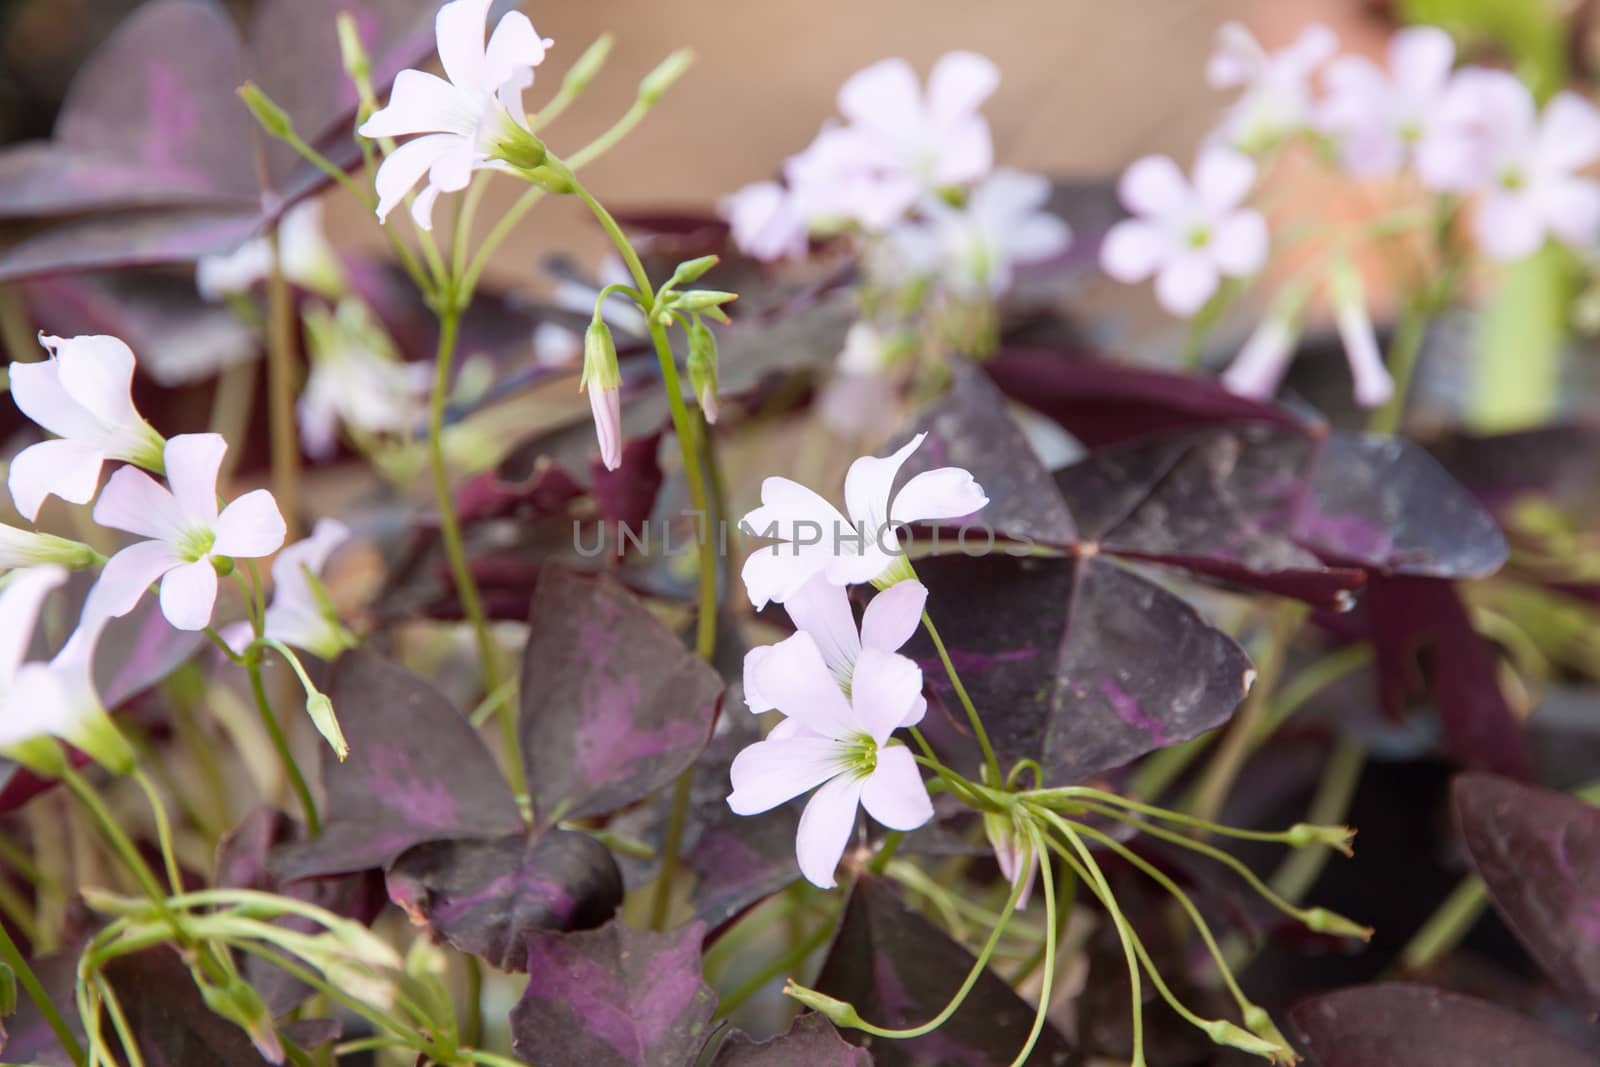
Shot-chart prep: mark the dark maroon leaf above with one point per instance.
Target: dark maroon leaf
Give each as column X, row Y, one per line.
column 127, row 239
column 613, row 705
column 1538, row 851
column 971, row 428
column 169, row 1019
column 627, row 495
column 1425, row 643
column 900, row 970
column 486, row 897
column 1056, row 654
column 1103, row 403
column 546, row 491
column 311, row 1034
column 614, row 997
column 811, row 1042
column 417, row 772
column 1396, row 1025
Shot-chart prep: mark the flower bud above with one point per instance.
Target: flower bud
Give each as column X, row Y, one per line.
column 273, row 118
column 352, row 53
column 691, row 270
column 27, row 548
column 1338, row 838
column 658, row 81
column 588, row 65
column 840, row 1013
column 1324, row 921
column 240, row 1004
column 1374, row 387
column 1016, row 859
column 1234, row 1036
column 703, row 299
column 703, row 368
column 515, row 144
column 320, row 708
column 602, row 379
column 1261, row 363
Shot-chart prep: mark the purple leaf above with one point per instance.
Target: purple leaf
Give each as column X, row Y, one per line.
column 811, row 1042
column 1408, row 616
column 613, row 705
column 138, row 650
column 1102, row 403
column 1538, row 851
column 1056, row 654
column 614, row 997
column 127, row 239
column 168, row 1018
column 417, row 772
column 487, row 897
column 900, row 970
column 1396, row 1025
column 546, row 491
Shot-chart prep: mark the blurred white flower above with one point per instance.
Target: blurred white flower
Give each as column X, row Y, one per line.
column 766, row 221
column 1002, row 224
column 1187, row 235
column 188, row 538
column 309, row 261
column 299, row 614
column 83, row 394
column 1381, row 119
column 1277, row 98
column 358, row 379
column 475, row 120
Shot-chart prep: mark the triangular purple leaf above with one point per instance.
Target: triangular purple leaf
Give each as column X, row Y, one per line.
column 417, row 772
column 1538, row 851
column 900, row 970
column 613, row 705
column 168, row 1018
column 614, row 997
column 811, row 1042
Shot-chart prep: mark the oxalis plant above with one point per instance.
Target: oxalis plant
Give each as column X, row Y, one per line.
column 611, row 613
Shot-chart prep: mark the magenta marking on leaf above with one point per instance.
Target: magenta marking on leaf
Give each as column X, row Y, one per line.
column 400, row 788
column 1127, row 708
column 558, row 900
column 174, row 112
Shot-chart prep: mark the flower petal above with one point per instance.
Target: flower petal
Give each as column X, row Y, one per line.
column 1420, row 58
column 884, row 688
column 249, row 527
column 421, row 103
column 894, row 793
column 884, row 97
column 942, row 493
column 893, row 616
column 772, row 772
column 1186, row 283
column 822, row 610
column 1153, row 186
column 127, row 575
column 97, row 372
column 135, row 502
column 37, row 389
column 1509, row 226
column 1572, row 210
column 20, row 601
column 825, row 828
column 776, row 572
column 1132, row 250
column 1239, row 243
column 513, row 45
column 754, row 698
column 405, row 166
column 193, row 460
column 794, row 676
column 1569, row 133
column 459, row 30
column 1260, row 365
column 35, row 705
column 1223, row 177
column 785, row 505
column 67, row 468
column 868, row 483
column 188, row 593
column 959, row 84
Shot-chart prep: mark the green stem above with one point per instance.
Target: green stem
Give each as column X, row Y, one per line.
column 989, row 759
column 1050, row 936
column 163, row 830
column 269, row 719
column 1447, row 926
column 1294, row 878
column 41, row 999
column 677, row 820
column 120, row 842
column 280, row 392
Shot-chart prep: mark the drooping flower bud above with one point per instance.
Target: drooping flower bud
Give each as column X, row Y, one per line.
column 1373, row 386
column 274, row 119
column 602, row 380
column 352, row 52
column 1017, row 860
column 320, row 708
column 1260, row 365
column 669, row 70
column 703, row 368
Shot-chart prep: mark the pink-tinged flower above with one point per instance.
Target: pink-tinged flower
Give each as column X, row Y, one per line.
column 1382, row 118
column 300, row 614
column 357, row 379
column 822, row 610
column 1013, row 853
column 1524, row 165
column 1373, row 385
column 188, row 538
column 766, row 222
column 308, row 260
column 55, row 698
column 602, row 380
column 473, row 121
column 838, row 743
column 1277, row 100
column 1003, row 224
column 814, row 537
column 1187, row 235
column 1261, row 363
column 83, row 394
column 931, row 140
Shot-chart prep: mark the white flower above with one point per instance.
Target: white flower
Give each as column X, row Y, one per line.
column 1188, row 236
column 814, row 537
column 1277, row 99
column 308, row 260
column 1523, row 164
column 471, row 122
column 189, row 539
column 838, row 743
column 1013, row 854
column 765, row 221
column 1381, row 118
column 298, row 615
column 356, row 378
column 1003, row 224
column 55, row 698
column 822, row 610
column 1373, row 385
column 84, row 395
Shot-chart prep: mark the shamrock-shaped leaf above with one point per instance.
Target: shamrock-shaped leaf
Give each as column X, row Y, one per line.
column 486, row 897
column 1397, row 1025
column 1056, row 655
column 613, row 705
column 1538, row 851
column 417, row 771
column 900, row 970
column 811, row 1042
column 614, row 997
